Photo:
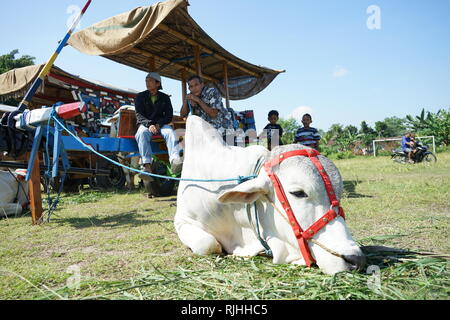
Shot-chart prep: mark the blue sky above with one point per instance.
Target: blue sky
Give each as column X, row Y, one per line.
column 336, row 67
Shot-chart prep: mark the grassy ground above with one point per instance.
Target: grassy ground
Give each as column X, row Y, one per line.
column 123, row 246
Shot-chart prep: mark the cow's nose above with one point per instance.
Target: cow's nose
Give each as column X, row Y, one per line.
column 356, row 262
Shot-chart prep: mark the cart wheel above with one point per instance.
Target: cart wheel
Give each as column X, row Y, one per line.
column 70, row 185
column 115, row 180
column 159, row 186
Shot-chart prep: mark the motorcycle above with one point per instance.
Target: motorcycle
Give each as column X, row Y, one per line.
column 421, row 155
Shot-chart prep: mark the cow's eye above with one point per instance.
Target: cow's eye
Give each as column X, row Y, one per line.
column 300, row 194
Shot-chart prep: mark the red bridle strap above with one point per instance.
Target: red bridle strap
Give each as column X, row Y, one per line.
column 303, row 236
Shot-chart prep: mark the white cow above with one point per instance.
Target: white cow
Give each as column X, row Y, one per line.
column 212, row 217
column 13, row 192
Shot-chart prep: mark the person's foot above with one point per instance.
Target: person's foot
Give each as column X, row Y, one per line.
column 147, row 168
column 176, row 165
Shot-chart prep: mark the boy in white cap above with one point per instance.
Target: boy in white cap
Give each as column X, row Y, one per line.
column 154, row 112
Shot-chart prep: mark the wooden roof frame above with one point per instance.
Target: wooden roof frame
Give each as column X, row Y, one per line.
column 193, row 52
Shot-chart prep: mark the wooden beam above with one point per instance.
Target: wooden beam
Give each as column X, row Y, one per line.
column 207, row 50
column 151, row 64
column 225, row 83
column 164, row 60
column 183, row 84
column 34, row 186
column 198, row 62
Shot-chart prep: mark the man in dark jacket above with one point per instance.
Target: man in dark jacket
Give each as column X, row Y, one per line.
column 154, row 113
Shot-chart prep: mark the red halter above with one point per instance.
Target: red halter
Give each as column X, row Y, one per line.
column 304, row 236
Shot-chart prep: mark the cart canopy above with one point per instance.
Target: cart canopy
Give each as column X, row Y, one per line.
column 166, row 39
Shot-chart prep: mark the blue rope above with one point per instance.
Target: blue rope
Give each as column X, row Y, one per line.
column 263, row 242
column 239, row 179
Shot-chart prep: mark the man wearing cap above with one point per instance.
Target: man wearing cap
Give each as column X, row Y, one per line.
column 154, row 112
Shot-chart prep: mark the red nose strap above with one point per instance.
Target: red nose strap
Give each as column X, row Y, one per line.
column 304, row 236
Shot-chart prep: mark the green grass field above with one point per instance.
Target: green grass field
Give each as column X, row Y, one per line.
column 124, row 246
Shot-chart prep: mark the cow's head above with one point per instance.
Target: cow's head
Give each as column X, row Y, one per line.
column 305, row 191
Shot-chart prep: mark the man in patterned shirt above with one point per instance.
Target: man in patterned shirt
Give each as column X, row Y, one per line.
column 307, row 135
column 206, row 103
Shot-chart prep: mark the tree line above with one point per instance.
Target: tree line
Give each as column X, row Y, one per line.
column 342, row 140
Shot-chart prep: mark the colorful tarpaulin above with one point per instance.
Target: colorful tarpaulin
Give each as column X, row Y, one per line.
column 60, row 86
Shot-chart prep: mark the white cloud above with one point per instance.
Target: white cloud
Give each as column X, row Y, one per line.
column 340, row 72
column 298, row 112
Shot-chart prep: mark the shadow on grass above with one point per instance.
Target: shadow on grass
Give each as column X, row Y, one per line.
column 349, row 189
column 385, row 257
column 166, row 200
column 128, row 219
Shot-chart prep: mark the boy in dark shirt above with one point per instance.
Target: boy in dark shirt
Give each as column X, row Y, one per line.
column 273, row 131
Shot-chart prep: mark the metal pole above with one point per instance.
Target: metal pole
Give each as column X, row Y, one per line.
column 434, row 146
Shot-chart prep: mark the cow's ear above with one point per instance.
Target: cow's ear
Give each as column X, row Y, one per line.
column 247, row 192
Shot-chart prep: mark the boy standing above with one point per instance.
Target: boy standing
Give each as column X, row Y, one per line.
column 307, row 135
column 273, row 130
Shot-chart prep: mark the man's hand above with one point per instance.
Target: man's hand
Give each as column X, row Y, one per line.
column 154, row 129
column 196, row 101
column 193, row 98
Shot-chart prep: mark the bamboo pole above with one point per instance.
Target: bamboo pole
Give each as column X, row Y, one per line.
column 48, row 66
column 225, row 83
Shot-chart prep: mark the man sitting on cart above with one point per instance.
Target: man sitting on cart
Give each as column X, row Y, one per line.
column 206, row 102
column 154, row 112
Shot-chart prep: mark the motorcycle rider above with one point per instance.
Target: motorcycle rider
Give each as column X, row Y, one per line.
column 408, row 145
column 414, row 145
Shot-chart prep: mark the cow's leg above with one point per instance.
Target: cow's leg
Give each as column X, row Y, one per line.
column 198, row 240
column 283, row 254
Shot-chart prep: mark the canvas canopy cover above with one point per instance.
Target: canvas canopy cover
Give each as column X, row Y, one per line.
column 166, row 39
column 59, row 85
